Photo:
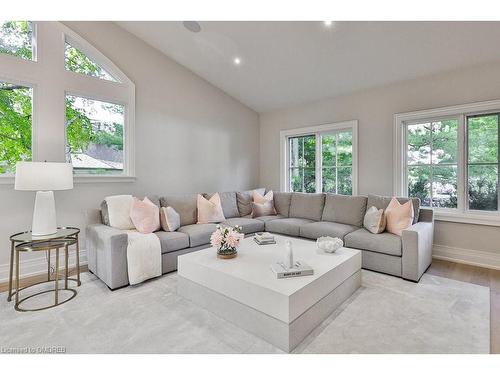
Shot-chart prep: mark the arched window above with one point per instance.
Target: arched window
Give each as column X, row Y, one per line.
column 62, row 99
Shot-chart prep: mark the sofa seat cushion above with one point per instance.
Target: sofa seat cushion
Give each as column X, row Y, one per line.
column 247, row 225
column 199, row 234
column 270, row 217
column 172, row 241
column 385, row 243
column 289, row 226
column 326, row 228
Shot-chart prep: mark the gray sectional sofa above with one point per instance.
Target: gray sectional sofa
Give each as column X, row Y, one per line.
column 298, row 214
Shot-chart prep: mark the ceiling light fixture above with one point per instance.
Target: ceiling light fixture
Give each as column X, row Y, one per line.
column 328, row 23
column 237, row 61
column 192, row 26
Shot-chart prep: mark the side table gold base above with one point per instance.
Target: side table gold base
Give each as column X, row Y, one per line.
column 18, row 308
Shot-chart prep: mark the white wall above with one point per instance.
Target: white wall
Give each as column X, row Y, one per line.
column 190, row 137
column 374, row 109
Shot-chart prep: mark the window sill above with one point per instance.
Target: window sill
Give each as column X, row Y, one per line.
column 79, row 179
column 491, row 219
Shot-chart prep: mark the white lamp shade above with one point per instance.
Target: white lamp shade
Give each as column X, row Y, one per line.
column 35, row 176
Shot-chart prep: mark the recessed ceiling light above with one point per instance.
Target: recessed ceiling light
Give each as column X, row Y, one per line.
column 192, row 26
column 237, row 61
column 328, row 23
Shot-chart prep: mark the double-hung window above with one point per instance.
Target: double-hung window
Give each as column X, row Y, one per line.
column 320, row 159
column 449, row 158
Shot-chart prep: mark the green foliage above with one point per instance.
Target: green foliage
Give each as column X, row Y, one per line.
column 337, row 163
column 78, row 62
column 79, row 132
column 15, row 126
column 111, row 139
column 16, row 39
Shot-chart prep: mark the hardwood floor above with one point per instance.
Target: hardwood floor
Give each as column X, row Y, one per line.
column 456, row 271
column 480, row 276
column 37, row 278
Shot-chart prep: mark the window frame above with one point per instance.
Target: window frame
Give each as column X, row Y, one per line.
column 461, row 214
column 317, row 131
column 51, row 82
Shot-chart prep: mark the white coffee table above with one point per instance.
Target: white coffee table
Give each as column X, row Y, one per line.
column 245, row 291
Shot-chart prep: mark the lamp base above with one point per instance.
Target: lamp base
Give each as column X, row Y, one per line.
column 44, row 214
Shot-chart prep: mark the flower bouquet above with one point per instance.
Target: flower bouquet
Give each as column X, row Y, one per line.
column 226, row 240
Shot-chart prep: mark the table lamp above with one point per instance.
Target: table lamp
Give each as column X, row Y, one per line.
column 44, row 177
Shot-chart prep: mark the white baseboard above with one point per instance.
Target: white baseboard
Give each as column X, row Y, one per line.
column 467, row 256
column 37, row 266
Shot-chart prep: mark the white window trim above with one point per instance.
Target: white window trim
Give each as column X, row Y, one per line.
column 351, row 125
column 51, row 87
column 459, row 215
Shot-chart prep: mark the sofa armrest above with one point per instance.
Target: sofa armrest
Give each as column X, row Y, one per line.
column 417, row 249
column 93, row 216
column 107, row 254
column 426, row 215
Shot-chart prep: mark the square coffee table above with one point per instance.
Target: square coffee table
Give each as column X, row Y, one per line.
column 245, row 291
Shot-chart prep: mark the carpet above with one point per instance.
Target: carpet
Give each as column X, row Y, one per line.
column 386, row 315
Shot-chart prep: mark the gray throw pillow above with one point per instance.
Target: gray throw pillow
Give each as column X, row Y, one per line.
column 374, row 220
column 244, row 200
column 104, row 213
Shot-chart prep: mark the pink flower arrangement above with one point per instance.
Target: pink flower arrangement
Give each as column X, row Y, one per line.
column 226, row 237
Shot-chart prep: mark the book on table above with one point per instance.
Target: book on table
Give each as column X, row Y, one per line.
column 299, row 269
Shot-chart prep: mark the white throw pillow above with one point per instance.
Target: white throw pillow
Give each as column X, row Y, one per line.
column 170, row 219
column 374, row 220
column 209, row 210
column 119, row 211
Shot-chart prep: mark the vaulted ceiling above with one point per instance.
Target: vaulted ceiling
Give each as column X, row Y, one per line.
column 288, row 63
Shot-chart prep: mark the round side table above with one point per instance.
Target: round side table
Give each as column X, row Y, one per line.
column 25, row 242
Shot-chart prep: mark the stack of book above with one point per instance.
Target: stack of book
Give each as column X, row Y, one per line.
column 264, row 238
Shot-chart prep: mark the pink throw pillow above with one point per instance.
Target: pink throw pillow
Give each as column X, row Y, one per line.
column 267, row 200
column 209, row 210
column 398, row 216
column 145, row 215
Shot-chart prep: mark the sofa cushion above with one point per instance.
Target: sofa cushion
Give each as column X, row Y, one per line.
column 289, row 226
column 382, row 202
column 209, row 211
column 104, row 208
column 185, row 205
column 247, row 225
column 228, row 203
column 263, row 209
column 199, row 234
column 345, row 209
column 244, row 200
column 282, row 203
column 270, row 217
column 172, row 241
column 307, row 206
column 385, row 243
column 326, row 228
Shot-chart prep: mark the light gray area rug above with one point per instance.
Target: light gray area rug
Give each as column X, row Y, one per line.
column 386, row 315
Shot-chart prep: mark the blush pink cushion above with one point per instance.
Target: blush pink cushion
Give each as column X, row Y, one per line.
column 266, row 200
column 145, row 215
column 209, row 210
column 398, row 216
